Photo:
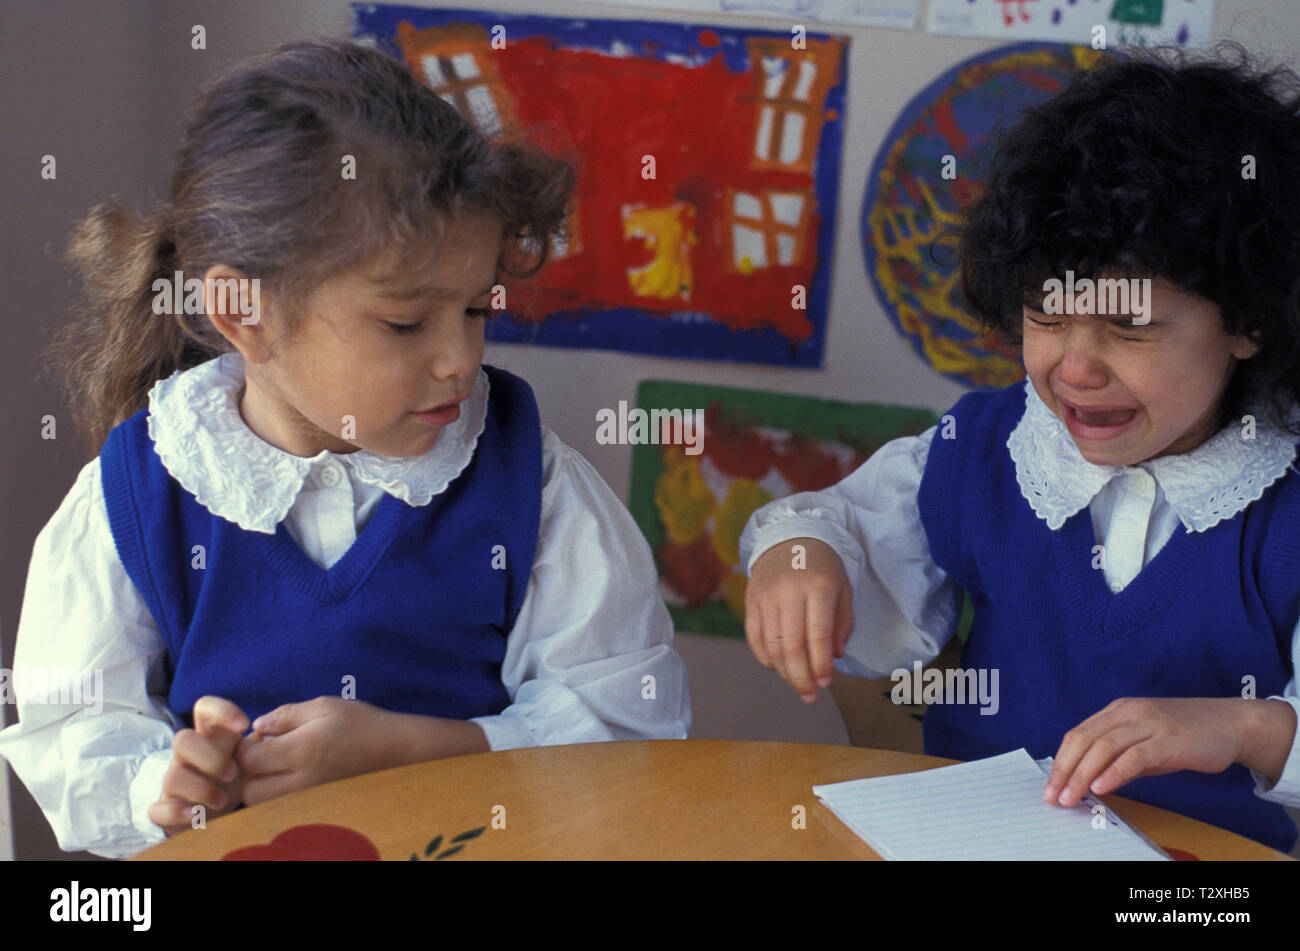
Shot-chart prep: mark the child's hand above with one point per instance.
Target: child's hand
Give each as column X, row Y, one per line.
column 298, row 745
column 1135, row 737
column 796, row 618
column 203, row 770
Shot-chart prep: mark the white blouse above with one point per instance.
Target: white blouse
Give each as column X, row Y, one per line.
column 906, row 608
column 590, row 632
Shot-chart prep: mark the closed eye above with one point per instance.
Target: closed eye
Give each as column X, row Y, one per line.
column 477, row 313
column 1143, row 329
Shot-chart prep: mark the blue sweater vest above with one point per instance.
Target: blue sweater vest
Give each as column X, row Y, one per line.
column 1210, row 609
column 417, row 610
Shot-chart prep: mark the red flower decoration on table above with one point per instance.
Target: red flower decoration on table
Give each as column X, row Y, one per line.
column 311, row 843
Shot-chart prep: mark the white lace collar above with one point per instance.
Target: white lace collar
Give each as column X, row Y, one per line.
column 205, row 444
column 1213, row 482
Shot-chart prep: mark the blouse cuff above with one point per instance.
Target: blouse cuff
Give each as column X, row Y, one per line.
column 146, row 789
column 548, row 713
column 505, row 732
column 775, row 528
column 1286, row 790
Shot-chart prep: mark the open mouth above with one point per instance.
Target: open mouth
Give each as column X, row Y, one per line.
column 1097, row 422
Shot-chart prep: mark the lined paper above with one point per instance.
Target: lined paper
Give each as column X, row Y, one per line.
column 989, row 809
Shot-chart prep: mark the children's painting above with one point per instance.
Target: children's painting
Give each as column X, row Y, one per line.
column 708, row 172
column 900, row 14
column 926, row 171
column 692, row 496
column 1097, row 23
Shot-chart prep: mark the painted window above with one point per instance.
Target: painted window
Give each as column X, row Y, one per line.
column 791, row 93
column 768, row 228
column 457, row 63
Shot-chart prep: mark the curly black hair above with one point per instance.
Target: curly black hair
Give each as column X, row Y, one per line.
column 1164, row 164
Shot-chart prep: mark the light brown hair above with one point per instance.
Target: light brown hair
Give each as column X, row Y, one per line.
column 257, row 186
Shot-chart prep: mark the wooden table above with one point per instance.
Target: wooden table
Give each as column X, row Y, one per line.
column 664, row 799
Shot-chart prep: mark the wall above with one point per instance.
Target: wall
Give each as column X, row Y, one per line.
column 102, row 86
column 81, row 82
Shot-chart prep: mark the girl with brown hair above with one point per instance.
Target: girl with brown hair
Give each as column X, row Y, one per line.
column 314, row 513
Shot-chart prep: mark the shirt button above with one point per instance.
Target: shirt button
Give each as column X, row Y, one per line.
column 330, row 475
column 1144, row 484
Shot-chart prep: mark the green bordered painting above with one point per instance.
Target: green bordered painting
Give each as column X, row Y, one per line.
column 692, row 496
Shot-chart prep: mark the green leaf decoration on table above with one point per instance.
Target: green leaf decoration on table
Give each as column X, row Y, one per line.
column 436, row 842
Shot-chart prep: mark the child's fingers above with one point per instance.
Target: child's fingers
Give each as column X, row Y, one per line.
column 212, row 711
column 204, row 755
column 185, row 784
column 260, row 755
column 754, row 629
column 794, row 650
column 1063, row 766
column 821, row 636
column 290, row 716
column 1094, row 763
column 219, row 720
column 171, row 815
column 1076, row 743
column 261, row 788
column 1128, row 766
column 1104, row 750
column 773, row 636
column 843, row 619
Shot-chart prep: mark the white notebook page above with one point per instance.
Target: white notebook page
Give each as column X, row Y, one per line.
column 989, row 809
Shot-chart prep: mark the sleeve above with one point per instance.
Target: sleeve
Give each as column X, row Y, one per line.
column 1286, row 790
column 905, row 608
column 94, row 736
column 591, row 654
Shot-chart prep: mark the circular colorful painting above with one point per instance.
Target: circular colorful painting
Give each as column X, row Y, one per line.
column 925, row 173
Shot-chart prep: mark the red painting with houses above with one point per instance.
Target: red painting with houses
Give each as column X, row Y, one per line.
column 708, row 162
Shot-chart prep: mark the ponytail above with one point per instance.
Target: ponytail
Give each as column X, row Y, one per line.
column 256, row 187
column 114, row 347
